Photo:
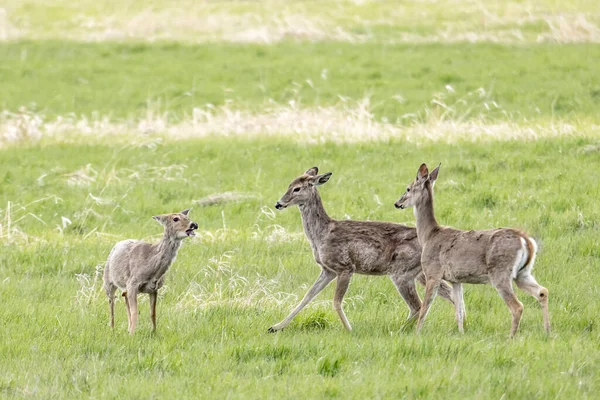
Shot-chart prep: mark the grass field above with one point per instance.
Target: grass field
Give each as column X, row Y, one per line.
column 124, row 80
column 106, row 121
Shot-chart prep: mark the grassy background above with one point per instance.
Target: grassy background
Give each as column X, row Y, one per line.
column 64, row 204
column 232, row 282
column 515, row 21
column 125, row 80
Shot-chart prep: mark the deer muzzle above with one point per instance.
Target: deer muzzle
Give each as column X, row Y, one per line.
column 191, row 229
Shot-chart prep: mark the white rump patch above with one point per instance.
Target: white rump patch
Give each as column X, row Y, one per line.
column 522, row 256
column 535, row 249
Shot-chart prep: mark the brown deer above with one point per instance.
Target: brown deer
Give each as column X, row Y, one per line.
column 139, row 267
column 494, row 256
column 342, row 248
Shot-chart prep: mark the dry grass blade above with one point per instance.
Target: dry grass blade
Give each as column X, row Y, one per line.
column 225, row 197
column 571, row 29
column 89, row 287
column 222, row 286
column 7, row 30
column 591, row 148
column 10, row 231
column 447, row 119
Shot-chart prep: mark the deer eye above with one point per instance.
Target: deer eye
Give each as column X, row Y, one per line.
column 407, row 190
column 296, row 190
column 175, row 219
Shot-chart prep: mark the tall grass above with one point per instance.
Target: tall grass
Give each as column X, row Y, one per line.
column 250, row 265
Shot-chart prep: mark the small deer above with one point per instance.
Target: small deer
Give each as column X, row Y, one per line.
column 342, row 248
column 136, row 267
column 494, row 256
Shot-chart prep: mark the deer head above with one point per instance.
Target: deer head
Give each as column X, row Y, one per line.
column 421, row 187
column 177, row 225
column 302, row 188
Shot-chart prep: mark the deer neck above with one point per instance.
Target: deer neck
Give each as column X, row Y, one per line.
column 315, row 219
column 425, row 216
column 166, row 251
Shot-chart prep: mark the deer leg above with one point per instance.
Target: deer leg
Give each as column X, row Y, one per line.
column 406, row 288
column 430, row 291
column 507, row 293
column 126, row 299
column 444, row 290
column 343, row 281
column 133, row 309
column 459, row 305
column 153, row 297
column 322, row 281
column 527, row 283
column 110, row 292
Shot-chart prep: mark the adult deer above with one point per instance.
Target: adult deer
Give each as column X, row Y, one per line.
column 342, row 248
column 494, row 256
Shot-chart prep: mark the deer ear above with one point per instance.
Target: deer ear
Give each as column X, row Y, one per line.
column 422, row 172
column 320, row 179
column 312, row 171
column 434, row 174
column 159, row 218
column 185, row 212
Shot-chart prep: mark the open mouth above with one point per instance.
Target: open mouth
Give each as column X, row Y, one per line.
column 190, row 232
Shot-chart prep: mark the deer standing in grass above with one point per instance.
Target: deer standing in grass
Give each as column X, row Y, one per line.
column 494, row 256
column 342, row 248
column 136, row 267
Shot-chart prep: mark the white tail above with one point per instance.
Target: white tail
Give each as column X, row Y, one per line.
column 525, row 257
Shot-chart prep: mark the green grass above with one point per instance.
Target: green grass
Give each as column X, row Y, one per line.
column 375, row 21
column 230, row 284
column 65, row 200
column 125, row 80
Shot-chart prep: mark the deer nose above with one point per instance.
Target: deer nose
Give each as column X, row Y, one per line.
column 278, row 206
column 397, row 204
column 194, row 225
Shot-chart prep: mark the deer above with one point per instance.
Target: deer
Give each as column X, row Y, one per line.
column 342, row 248
column 137, row 267
column 493, row 256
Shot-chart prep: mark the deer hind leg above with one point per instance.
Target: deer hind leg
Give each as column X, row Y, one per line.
column 133, row 310
column 110, row 292
column 322, row 281
column 132, row 307
column 153, row 297
column 444, row 290
column 505, row 290
column 126, row 299
column 406, row 288
column 431, row 288
column 527, row 283
column 459, row 305
column 343, row 281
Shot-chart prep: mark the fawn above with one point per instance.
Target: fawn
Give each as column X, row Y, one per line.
column 494, row 256
column 136, row 267
column 342, row 248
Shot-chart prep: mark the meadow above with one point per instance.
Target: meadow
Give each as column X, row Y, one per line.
column 106, row 121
